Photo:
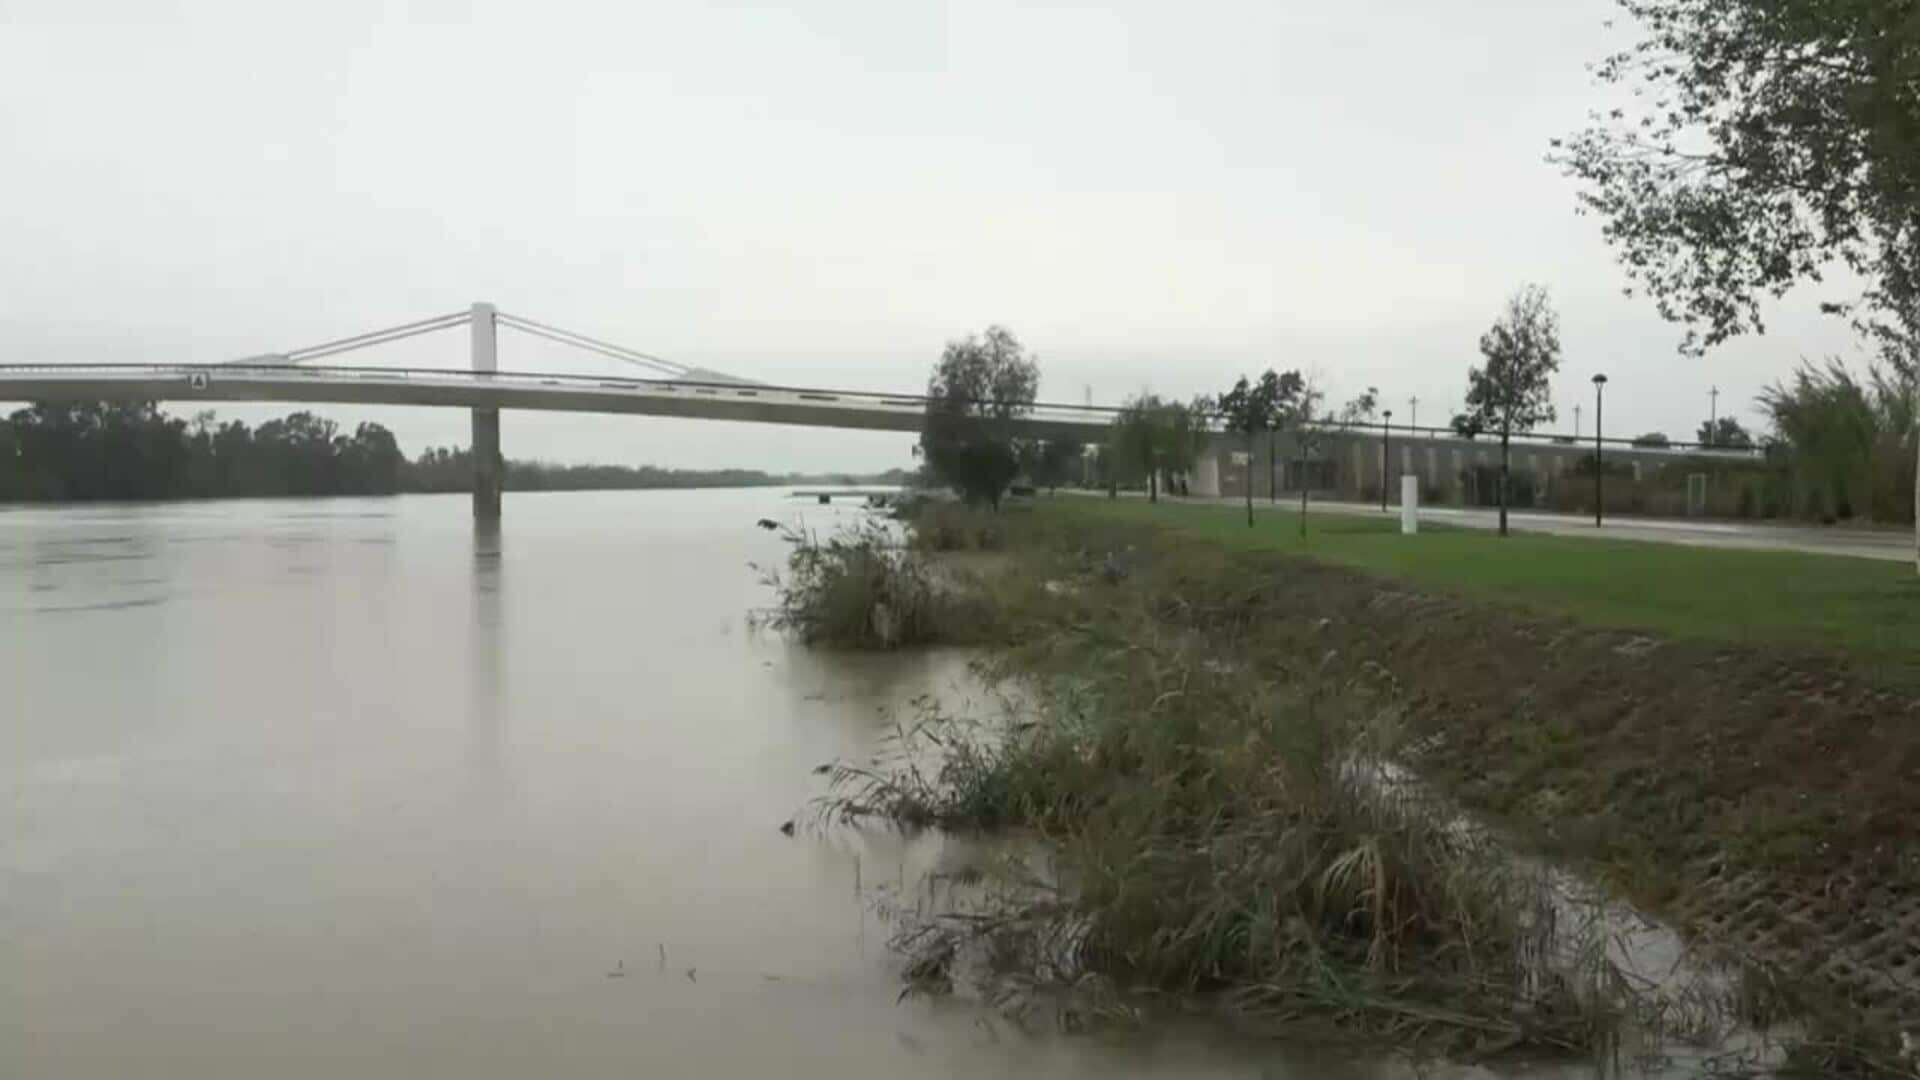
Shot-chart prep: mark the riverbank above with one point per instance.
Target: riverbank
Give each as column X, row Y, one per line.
column 1728, row 738
column 1865, row 613
column 1751, row 788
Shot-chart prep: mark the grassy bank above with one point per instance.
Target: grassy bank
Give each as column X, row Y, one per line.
column 1217, row 824
column 1868, row 609
column 1730, row 738
column 1199, row 693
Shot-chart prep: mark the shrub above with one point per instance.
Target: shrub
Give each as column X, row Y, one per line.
column 862, row 588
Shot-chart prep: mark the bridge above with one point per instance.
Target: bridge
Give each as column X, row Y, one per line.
column 1357, row 458
column 662, row 388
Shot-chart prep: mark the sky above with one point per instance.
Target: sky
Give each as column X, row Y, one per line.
column 1150, row 195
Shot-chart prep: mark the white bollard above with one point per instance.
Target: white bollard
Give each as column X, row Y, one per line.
column 1409, row 505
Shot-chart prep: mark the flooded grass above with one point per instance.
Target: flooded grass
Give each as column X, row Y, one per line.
column 1212, row 834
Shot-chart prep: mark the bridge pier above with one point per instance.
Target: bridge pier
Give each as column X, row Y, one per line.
column 489, row 468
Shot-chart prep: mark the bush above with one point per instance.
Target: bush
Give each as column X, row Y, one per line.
column 862, row 588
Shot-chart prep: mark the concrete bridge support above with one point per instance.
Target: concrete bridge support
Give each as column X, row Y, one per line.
column 489, row 468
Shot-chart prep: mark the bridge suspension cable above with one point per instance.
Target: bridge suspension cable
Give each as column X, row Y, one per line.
column 658, row 366
column 592, row 344
column 359, row 341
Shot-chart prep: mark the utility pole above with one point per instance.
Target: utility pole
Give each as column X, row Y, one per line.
column 1599, row 467
column 1713, row 413
column 1576, row 421
column 1413, row 414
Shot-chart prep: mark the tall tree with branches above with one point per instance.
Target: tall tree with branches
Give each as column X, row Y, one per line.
column 1256, row 406
column 1513, row 392
column 979, row 387
column 1137, row 439
column 1771, row 141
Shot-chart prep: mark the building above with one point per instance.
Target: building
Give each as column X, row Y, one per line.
column 1351, row 463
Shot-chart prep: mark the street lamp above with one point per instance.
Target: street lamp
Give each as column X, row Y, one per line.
column 1599, row 472
column 1386, row 451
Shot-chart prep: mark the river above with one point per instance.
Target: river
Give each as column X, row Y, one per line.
column 347, row 787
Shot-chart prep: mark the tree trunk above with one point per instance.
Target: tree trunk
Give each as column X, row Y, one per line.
column 1249, row 472
column 1153, row 485
column 1505, row 480
column 1303, row 507
column 1273, row 462
column 1916, row 503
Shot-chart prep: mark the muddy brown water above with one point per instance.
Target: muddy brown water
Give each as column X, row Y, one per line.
column 345, row 787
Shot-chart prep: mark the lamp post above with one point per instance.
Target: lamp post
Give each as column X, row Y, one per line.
column 1386, row 451
column 1599, row 470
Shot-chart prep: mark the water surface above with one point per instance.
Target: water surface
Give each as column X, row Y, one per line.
column 344, row 787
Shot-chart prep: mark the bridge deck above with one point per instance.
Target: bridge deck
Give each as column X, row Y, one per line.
column 507, row 390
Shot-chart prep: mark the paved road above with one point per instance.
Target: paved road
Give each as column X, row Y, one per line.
column 1891, row 544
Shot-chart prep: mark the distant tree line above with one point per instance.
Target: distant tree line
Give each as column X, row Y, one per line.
column 444, row 469
column 132, row 450
column 72, row 451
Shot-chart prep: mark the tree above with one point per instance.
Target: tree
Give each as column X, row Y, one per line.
column 1512, row 392
column 1133, row 440
column 1309, row 434
column 1466, row 425
column 1052, row 461
column 978, row 388
column 1155, row 436
column 1186, row 435
column 1253, row 407
column 1360, row 410
column 1778, row 139
column 1725, row 433
column 1652, row 440
column 1283, row 391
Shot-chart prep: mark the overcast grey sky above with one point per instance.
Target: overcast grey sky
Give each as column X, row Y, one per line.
column 1151, row 195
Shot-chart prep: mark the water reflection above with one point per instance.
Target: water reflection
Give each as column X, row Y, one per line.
column 486, row 657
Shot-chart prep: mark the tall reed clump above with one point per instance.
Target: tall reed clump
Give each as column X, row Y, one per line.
column 862, row 587
column 1213, row 832
column 1850, row 440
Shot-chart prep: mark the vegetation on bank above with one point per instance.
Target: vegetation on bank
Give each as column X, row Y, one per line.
column 133, row 450
column 1867, row 609
column 864, row 588
column 1195, row 723
column 1215, row 824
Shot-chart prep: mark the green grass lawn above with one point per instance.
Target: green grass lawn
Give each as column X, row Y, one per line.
column 1867, row 608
